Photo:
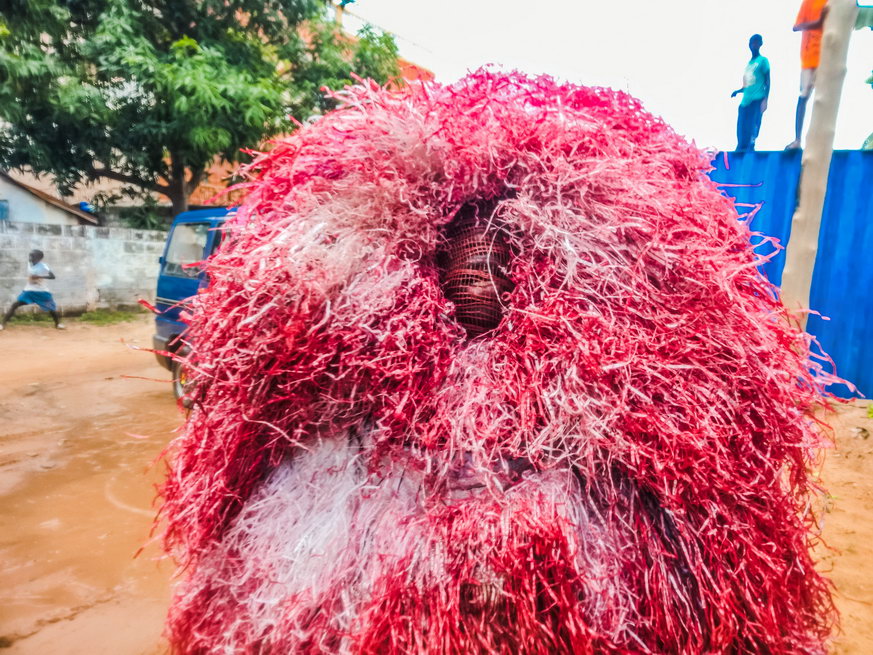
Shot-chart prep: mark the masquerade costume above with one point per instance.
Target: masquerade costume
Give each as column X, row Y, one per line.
column 489, row 368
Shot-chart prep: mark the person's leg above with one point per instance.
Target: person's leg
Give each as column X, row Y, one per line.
column 47, row 302
column 744, row 128
column 10, row 312
column 757, row 115
column 807, row 83
column 760, row 117
column 739, row 129
column 799, row 117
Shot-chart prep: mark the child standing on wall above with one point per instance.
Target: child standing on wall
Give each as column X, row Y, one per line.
column 810, row 21
column 756, row 90
column 35, row 291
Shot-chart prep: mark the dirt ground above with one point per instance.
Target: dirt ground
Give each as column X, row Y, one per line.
column 79, row 433
column 77, row 440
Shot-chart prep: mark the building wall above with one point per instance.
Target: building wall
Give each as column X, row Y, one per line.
column 96, row 267
column 24, row 207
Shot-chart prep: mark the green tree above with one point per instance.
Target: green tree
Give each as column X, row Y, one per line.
column 149, row 93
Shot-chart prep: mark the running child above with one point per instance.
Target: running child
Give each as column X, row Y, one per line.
column 36, row 292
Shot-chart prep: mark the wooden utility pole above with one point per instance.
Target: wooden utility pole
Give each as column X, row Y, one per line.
column 802, row 246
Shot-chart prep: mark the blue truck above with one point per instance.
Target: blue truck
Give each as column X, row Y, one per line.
column 192, row 238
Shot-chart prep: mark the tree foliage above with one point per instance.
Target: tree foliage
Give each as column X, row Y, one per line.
column 148, row 93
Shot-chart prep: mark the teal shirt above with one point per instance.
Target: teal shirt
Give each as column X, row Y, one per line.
column 754, row 88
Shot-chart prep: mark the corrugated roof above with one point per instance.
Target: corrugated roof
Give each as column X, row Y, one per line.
column 55, row 202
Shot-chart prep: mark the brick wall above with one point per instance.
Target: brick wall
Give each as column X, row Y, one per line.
column 96, row 267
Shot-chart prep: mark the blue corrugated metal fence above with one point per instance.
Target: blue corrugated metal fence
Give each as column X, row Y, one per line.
column 842, row 282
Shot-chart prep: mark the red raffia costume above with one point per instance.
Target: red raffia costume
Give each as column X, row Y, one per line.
column 489, row 368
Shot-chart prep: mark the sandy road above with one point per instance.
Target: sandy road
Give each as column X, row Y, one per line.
column 848, row 527
column 76, row 490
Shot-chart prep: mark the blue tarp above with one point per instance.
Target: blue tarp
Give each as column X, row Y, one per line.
column 842, row 282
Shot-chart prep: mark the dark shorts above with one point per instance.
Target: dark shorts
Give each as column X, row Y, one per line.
column 748, row 125
column 42, row 298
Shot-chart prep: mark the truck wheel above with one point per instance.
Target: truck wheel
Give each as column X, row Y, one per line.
column 180, row 383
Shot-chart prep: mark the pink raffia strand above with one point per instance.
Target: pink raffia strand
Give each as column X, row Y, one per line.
column 620, row 467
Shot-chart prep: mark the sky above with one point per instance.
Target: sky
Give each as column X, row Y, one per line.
column 682, row 58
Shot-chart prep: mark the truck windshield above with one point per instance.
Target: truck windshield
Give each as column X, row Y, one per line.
column 186, row 247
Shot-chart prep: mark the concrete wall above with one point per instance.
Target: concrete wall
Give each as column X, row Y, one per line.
column 25, row 207
column 96, row 267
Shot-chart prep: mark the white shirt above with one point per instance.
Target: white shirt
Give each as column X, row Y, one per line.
column 40, row 269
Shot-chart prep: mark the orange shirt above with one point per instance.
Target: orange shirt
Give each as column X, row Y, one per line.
column 810, row 43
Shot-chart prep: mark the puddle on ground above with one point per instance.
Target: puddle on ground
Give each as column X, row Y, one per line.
column 77, row 506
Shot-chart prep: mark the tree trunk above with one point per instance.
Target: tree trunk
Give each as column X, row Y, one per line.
column 179, row 197
column 178, row 192
column 802, row 246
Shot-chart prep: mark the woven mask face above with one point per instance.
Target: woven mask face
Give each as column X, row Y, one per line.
column 474, row 267
column 489, row 368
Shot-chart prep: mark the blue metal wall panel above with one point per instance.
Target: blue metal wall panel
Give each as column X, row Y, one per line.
column 842, row 284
